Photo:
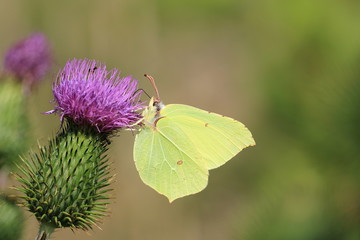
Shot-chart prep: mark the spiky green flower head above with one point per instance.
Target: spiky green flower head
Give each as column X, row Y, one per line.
column 11, row 219
column 14, row 130
column 65, row 185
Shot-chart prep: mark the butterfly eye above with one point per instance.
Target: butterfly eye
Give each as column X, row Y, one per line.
column 158, row 105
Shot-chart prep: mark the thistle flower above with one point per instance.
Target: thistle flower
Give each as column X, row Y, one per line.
column 29, row 60
column 87, row 93
column 65, row 184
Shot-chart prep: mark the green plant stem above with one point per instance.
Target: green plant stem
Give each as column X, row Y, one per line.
column 4, row 173
column 44, row 232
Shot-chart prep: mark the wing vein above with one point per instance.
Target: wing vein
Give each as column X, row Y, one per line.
column 180, row 149
column 151, row 152
column 217, row 130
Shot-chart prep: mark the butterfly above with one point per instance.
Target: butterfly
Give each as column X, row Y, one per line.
column 177, row 145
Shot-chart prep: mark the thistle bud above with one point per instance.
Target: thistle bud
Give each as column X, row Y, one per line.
column 25, row 64
column 65, row 184
column 11, row 219
column 29, row 60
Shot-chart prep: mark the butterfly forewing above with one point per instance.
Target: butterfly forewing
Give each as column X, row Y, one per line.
column 217, row 138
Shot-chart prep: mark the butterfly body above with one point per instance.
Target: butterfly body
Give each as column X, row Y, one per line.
column 152, row 114
column 178, row 145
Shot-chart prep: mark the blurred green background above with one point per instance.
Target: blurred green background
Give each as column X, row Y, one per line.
column 289, row 70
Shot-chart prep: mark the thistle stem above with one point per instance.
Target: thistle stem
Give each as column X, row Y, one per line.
column 44, row 232
column 3, row 179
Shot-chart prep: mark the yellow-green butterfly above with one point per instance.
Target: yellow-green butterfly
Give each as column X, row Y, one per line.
column 178, row 144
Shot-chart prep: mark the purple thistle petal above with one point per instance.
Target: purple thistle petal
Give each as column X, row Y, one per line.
column 89, row 94
column 29, row 60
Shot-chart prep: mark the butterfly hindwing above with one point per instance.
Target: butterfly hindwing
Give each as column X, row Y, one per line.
column 173, row 167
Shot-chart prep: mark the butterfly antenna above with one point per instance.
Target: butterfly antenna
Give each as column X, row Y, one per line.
column 152, row 80
column 139, row 90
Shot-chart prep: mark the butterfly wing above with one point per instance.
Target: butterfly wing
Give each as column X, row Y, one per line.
column 217, row 138
column 173, row 167
column 174, row 153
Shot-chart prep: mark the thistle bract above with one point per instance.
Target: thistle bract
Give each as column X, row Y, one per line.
column 87, row 93
column 29, row 60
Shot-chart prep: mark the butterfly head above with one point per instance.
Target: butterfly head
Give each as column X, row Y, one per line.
column 153, row 112
column 156, row 104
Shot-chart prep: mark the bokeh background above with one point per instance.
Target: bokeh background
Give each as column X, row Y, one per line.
column 289, row 70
